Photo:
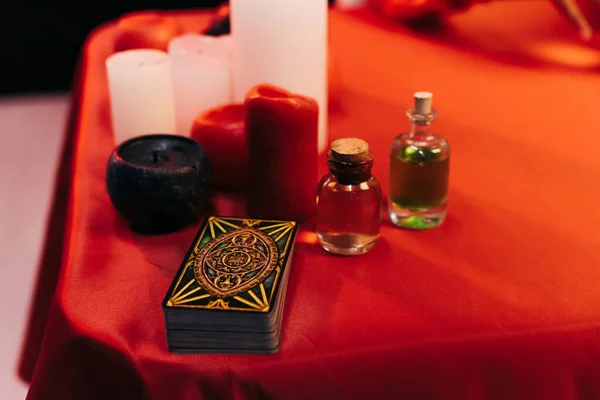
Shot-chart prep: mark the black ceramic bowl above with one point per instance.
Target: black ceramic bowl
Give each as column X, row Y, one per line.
column 159, row 183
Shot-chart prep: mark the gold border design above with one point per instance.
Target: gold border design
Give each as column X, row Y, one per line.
column 180, row 298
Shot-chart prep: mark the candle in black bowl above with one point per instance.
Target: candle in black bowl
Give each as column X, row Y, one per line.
column 159, row 183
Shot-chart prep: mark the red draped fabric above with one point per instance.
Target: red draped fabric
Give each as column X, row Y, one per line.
column 502, row 301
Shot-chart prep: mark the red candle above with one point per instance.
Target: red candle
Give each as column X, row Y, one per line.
column 282, row 135
column 221, row 132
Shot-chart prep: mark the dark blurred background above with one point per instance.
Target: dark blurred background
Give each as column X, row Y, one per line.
column 41, row 40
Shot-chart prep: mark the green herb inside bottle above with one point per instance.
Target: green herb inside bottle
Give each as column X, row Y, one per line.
column 419, row 170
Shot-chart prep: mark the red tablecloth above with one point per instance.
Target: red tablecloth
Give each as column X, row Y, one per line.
column 501, row 301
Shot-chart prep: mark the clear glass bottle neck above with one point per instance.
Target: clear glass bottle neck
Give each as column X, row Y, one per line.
column 348, row 173
column 421, row 123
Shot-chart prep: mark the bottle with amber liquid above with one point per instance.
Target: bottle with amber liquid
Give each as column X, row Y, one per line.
column 349, row 200
column 419, row 170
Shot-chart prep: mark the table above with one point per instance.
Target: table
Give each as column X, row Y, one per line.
column 501, row 301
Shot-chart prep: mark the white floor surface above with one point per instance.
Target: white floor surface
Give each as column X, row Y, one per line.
column 31, row 133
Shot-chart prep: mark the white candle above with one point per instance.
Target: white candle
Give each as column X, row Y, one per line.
column 201, row 76
column 283, row 43
column 141, row 93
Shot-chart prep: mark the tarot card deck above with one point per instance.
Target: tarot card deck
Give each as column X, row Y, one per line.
column 229, row 293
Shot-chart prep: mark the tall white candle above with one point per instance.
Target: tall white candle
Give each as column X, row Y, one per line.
column 283, row 43
column 201, row 76
column 141, row 93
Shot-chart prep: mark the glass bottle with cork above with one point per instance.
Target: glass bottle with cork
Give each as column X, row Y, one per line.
column 419, row 170
column 349, row 200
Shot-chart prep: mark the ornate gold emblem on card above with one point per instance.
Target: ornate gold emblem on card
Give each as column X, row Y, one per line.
column 235, row 262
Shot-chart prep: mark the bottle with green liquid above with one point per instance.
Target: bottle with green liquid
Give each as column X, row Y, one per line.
column 419, row 170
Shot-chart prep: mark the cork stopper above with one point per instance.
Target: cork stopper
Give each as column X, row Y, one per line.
column 423, row 102
column 350, row 150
